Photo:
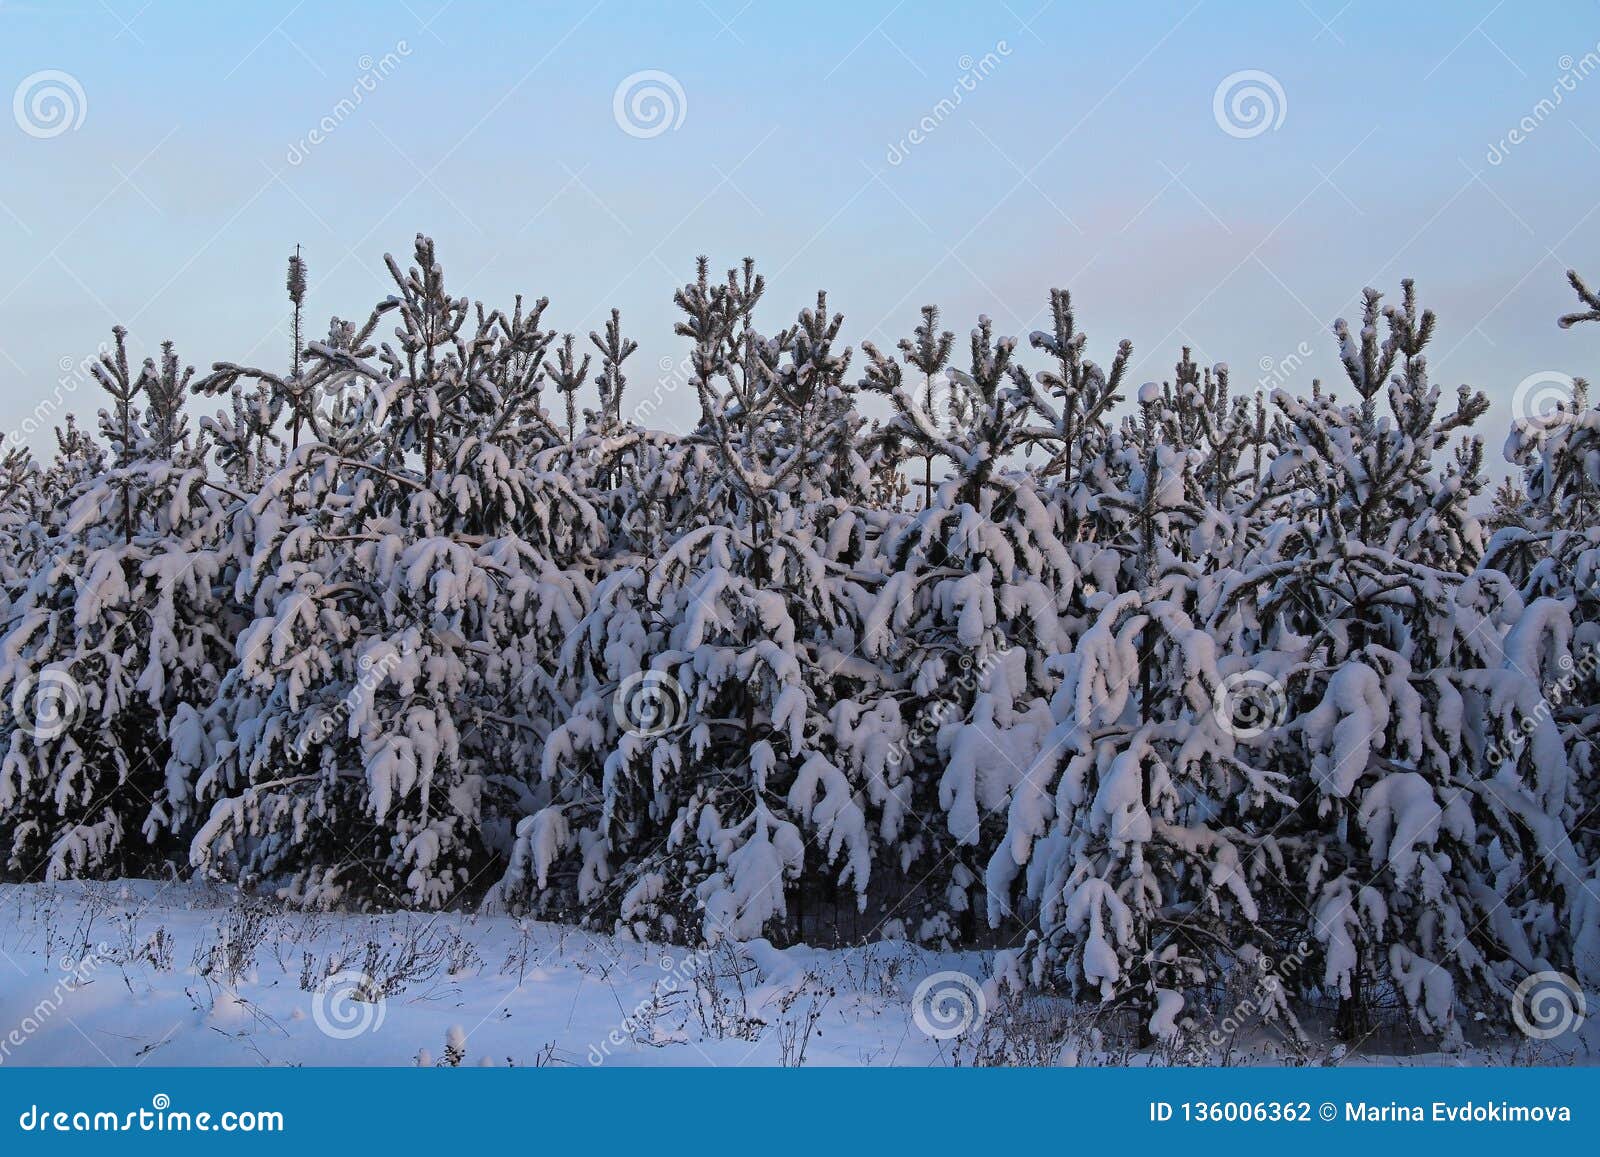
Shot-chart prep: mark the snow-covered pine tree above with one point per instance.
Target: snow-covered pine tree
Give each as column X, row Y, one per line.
column 24, row 517
column 700, row 750
column 928, row 350
column 1420, row 863
column 1549, row 545
column 117, row 636
column 977, row 596
column 1133, row 833
column 399, row 564
column 1075, row 401
column 1190, row 687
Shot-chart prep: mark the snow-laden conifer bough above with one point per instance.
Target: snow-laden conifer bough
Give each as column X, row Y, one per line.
column 970, row 642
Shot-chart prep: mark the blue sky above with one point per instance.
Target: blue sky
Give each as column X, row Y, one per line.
column 1086, row 154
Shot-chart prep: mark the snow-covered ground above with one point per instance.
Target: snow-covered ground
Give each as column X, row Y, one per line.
column 140, row 972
